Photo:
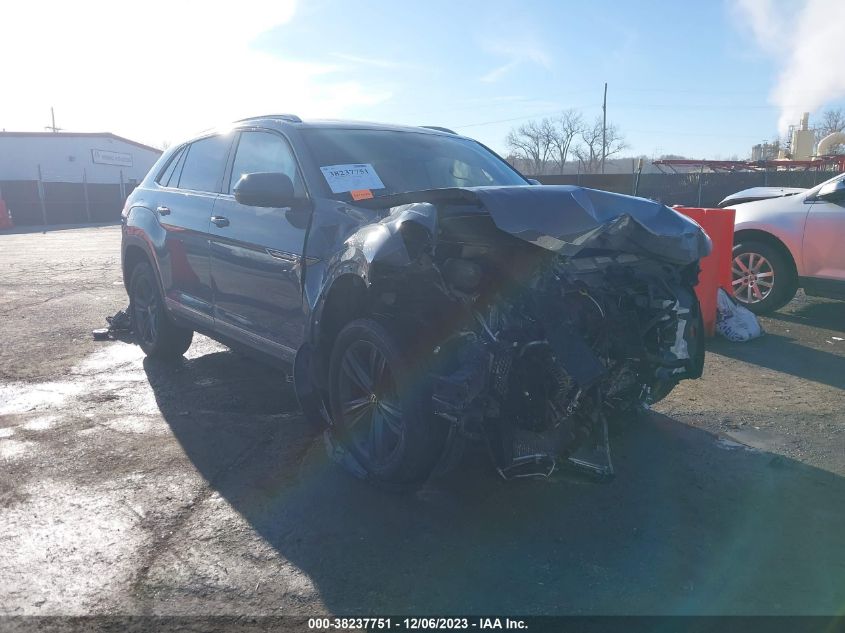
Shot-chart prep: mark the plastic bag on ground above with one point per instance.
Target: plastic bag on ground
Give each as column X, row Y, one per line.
column 734, row 321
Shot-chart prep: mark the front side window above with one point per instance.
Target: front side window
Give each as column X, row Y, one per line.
column 204, row 164
column 263, row 152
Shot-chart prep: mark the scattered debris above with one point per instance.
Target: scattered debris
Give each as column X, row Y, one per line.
column 120, row 322
column 734, row 321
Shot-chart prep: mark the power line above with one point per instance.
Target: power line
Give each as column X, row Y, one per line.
column 621, row 105
column 517, row 118
column 708, row 134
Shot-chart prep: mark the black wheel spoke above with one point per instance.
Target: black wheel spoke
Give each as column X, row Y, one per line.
column 355, row 370
column 142, row 316
column 377, row 436
column 354, row 410
column 392, row 415
column 141, row 322
column 153, row 323
column 377, row 365
column 370, row 407
column 145, row 311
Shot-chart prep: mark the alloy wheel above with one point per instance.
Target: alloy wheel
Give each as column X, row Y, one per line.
column 371, row 411
column 145, row 311
column 753, row 277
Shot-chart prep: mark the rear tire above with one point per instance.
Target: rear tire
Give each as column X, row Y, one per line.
column 764, row 279
column 155, row 331
column 381, row 407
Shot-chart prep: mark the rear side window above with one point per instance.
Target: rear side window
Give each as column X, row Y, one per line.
column 204, row 164
column 264, row 151
column 170, row 176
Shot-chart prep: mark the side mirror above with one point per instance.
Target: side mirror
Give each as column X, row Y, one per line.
column 265, row 189
column 832, row 191
column 533, row 181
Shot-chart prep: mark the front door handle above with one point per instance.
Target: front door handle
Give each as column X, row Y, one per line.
column 163, row 210
column 219, row 220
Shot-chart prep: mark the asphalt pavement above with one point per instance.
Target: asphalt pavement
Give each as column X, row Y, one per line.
column 132, row 487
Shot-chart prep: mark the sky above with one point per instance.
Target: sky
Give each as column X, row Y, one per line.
column 704, row 79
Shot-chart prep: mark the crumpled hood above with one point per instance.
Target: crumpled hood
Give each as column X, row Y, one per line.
column 567, row 219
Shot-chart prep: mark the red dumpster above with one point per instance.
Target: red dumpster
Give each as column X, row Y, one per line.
column 5, row 217
column 716, row 267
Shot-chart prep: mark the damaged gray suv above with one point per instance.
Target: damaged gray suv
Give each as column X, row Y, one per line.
column 426, row 295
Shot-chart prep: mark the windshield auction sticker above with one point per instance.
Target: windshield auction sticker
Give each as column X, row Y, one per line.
column 344, row 178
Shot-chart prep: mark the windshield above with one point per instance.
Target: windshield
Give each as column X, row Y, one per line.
column 374, row 163
column 815, row 190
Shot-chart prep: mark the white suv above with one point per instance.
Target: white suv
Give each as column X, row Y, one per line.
column 792, row 242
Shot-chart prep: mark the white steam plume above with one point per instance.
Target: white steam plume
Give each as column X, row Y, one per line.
column 808, row 40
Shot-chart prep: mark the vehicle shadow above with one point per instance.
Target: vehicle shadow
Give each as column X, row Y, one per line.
column 829, row 315
column 787, row 355
column 689, row 525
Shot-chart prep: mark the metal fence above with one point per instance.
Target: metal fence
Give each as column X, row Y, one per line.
column 44, row 202
column 696, row 189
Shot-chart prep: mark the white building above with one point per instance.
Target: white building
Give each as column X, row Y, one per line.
column 73, row 156
column 65, row 177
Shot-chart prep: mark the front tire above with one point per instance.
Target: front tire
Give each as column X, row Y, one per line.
column 763, row 278
column 381, row 406
column 155, row 331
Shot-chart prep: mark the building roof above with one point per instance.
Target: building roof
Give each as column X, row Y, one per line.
column 109, row 135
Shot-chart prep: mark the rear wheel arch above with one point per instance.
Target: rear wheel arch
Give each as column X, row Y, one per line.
column 157, row 334
column 132, row 256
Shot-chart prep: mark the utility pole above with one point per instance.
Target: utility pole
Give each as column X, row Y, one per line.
column 53, row 127
column 604, row 127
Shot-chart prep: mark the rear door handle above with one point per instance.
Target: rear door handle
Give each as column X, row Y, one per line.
column 219, row 220
column 163, row 210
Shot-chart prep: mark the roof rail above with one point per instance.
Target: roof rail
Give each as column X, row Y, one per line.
column 291, row 118
column 439, row 129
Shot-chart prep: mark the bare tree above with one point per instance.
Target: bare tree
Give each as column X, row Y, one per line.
column 831, row 121
column 589, row 150
column 532, row 142
column 564, row 129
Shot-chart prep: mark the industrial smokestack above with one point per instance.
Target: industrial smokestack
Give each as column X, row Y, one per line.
column 801, row 144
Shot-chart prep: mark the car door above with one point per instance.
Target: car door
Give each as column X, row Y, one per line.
column 824, row 236
column 191, row 185
column 256, row 253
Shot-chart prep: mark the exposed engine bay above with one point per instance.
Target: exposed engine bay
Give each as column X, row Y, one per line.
column 548, row 363
column 537, row 328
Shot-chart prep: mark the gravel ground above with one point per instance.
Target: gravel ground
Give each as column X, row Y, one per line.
column 128, row 487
